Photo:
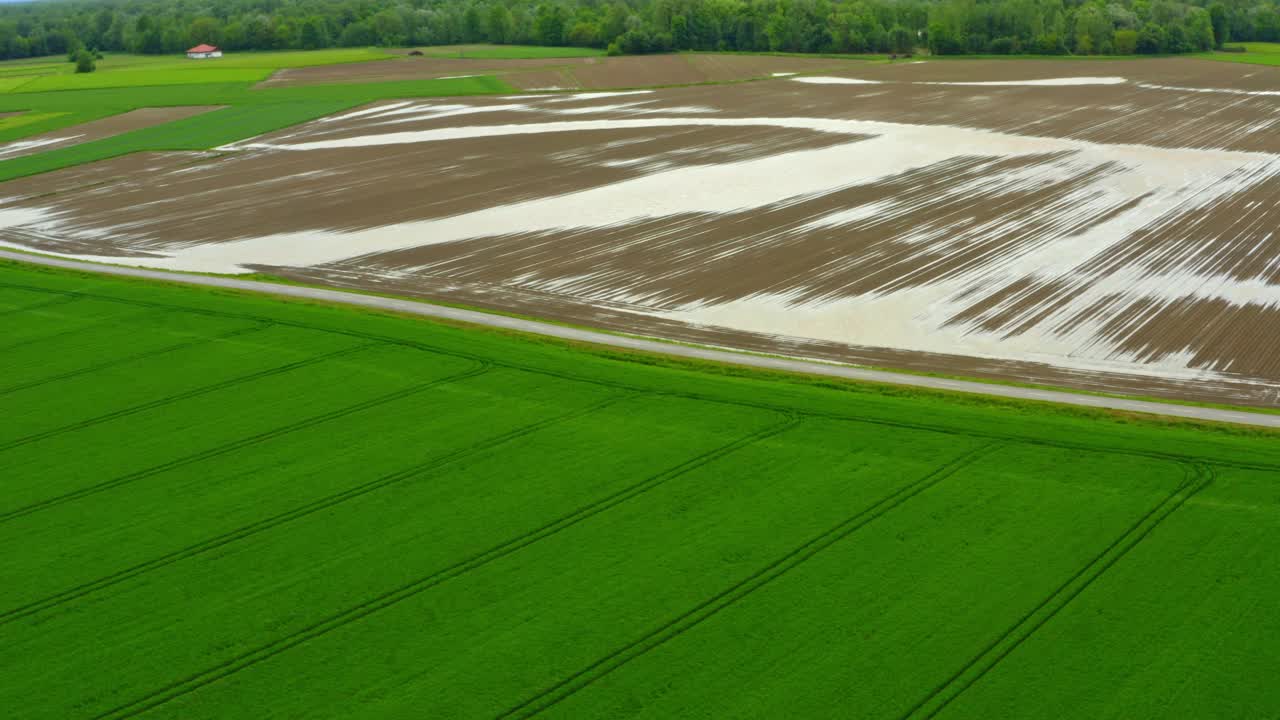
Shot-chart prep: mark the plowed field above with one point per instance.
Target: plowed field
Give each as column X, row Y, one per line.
column 1103, row 225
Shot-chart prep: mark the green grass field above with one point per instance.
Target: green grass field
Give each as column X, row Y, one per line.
column 251, row 112
column 222, row 505
column 508, row 52
column 1256, row 53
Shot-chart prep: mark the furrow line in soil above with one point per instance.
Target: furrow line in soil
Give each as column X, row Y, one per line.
column 241, row 443
column 196, row 392
column 1197, row 478
column 730, row 596
column 194, row 682
column 299, row 512
column 238, row 332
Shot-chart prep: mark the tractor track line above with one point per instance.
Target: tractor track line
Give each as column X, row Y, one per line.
column 38, row 306
column 81, row 328
column 186, row 395
column 194, row 682
column 301, row 511
column 712, row 606
column 1198, row 478
column 193, row 342
column 241, row 443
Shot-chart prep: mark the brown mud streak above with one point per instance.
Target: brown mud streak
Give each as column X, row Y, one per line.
column 99, row 129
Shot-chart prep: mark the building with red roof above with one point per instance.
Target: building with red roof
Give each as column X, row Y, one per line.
column 201, row 52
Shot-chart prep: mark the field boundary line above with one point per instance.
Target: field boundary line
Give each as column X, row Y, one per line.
column 726, row 598
column 1195, row 479
column 388, row 339
column 186, row 395
column 193, row 342
column 82, row 328
column 241, row 443
column 303, row 510
column 245, row 660
column 39, row 306
column 426, row 347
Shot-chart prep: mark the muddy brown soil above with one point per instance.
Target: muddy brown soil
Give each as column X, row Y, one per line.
column 99, row 129
column 1114, row 235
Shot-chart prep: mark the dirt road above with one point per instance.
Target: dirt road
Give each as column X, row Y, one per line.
column 642, row 345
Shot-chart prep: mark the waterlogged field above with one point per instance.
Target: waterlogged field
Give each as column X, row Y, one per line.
column 227, row 506
column 1105, row 225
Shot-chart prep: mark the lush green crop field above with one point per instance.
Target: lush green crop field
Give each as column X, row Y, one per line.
column 251, row 112
column 1256, row 53
column 220, row 505
column 497, row 52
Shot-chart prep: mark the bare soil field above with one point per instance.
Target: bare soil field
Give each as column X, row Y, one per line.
column 99, row 129
column 1104, row 225
column 585, row 73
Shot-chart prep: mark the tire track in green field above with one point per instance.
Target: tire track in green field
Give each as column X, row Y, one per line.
column 245, row 660
column 728, row 597
column 194, row 342
column 39, row 306
column 82, row 328
column 1196, row 478
column 990, row 436
column 301, row 511
column 390, row 340
column 187, row 395
column 242, row 443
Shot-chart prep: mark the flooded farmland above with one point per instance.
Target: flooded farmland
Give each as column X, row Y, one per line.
column 1104, row 225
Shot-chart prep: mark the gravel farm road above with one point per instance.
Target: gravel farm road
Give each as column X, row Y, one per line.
column 1237, row 417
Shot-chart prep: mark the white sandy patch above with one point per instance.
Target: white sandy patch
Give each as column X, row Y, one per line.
column 1223, row 91
column 782, row 74
column 1047, row 82
column 822, row 80
column 598, row 95
column 20, row 146
column 1154, row 184
column 456, row 77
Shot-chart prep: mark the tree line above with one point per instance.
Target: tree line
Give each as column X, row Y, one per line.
column 944, row 27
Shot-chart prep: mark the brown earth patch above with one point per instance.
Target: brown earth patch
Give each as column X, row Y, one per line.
column 1106, row 231
column 99, row 129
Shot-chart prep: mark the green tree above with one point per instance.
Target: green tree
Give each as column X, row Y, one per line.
column 902, row 40
column 85, row 62
column 1221, row 24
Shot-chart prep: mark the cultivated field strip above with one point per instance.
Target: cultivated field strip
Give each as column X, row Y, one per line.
column 309, row 508
column 545, row 530
column 39, row 484
column 932, row 704
column 388, row 600
column 708, row 608
column 872, row 620
column 81, row 400
column 1151, row 620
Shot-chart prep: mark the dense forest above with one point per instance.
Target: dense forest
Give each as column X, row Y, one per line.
column 1050, row 27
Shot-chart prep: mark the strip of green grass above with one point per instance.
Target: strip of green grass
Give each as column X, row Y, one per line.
column 508, row 52
column 396, row 517
column 1258, row 53
column 252, row 112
